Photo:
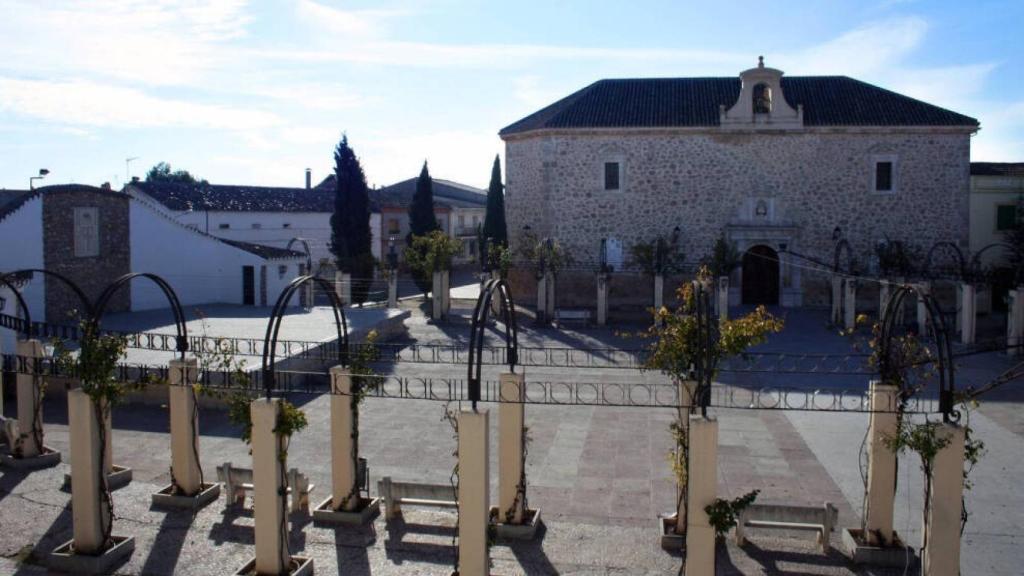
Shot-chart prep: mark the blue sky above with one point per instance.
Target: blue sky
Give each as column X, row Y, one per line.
column 255, row 92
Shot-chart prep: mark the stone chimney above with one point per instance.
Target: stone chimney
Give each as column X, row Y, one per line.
column 309, row 178
column 105, row 186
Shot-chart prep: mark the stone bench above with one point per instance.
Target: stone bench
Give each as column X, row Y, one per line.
column 395, row 494
column 238, row 481
column 820, row 519
column 565, row 316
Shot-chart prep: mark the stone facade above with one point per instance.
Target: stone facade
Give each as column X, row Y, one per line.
column 93, row 272
column 787, row 189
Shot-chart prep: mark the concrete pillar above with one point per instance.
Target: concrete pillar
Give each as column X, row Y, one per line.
column 550, row 299
column 343, row 287
column 89, row 515
column 436, row 298
column 687, row 388
column 723, row 298
column 837, row 298
column 446, row 292
column 108, row 439
column 925, row 289
column 659, row 292
column 968, row 315
column 393, row 289
column 849, row 303
column 269, row 506
column 343, row 465
column 941, row 554
column 1015, row 322
column 542, row 299
column 510, row 446
column 184, row 425
column 474, row 493
column 881, row 464
column 602, row 299
column 30, row 394
column 702, row 486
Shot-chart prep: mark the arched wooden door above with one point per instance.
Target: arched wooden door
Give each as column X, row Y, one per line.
column 761, row 276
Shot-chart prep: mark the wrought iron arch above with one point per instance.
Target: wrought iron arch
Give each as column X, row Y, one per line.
column 181, row 330
column 308, row 252
column 479, row 326
column 4, row 280
column 87, row 306
column 949, row 248
column 1018, row 273
column 704, row 367
column 890, row 373
column 277, row 316
column 842, row 251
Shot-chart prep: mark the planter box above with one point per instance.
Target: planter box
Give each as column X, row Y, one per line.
column 368, row 510
column 118, row 478
column 669, row 539
column 525, row 531
column 898, row 555
column 165, row 498
column 65, row 559
column 49, row 457
column 300, row 567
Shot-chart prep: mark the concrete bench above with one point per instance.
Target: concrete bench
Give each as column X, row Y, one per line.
column 820, row 519
column 395, row 494
column 564, row 316
column 238, row 481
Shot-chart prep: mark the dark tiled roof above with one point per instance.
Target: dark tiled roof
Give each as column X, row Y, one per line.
column 227, row 198
column 692, row 102
column 18, row 201
column 997, row 169
column 268, row 252
column 8, row 196
column 446, row 194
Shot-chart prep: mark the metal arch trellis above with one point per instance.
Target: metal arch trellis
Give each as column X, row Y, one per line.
column 890, row 372
column 75, row 288
column 181, row 330
column 308, row 252
column 479, row 326
column 277, row 315
column 5, row 279
column 842, row 250
column 975, row 266
column 945, row 247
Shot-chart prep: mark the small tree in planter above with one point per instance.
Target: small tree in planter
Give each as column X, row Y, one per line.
column 678, row 346
column 432, row 253
column 657, row 257
column 724, row 514
column 724, row 258
column 549, row 257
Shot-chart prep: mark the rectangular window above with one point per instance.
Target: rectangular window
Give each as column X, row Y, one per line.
column 462, row 220
column 393, row 226
column 224, row 226
column 256, row 226
column 611, row 175
column 282, row 270
column 883, row 176
column 1006, row 217
column 87, row 232
column 286, row 225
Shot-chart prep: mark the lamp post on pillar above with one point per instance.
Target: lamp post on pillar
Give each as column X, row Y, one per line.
column 392, row 273
column 850, row 303
column 968, row 316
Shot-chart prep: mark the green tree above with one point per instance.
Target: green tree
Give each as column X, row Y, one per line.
column 422, row 221
column 351, row 238
column 495, row 228
column 162, row 173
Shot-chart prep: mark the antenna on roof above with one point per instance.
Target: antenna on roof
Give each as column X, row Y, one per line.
column 127, row 168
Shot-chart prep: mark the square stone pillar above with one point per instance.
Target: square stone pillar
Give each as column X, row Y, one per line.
column 30, row 395
column 343, row 287
column 837, row 300
column 511, row 414
column 849, row 303
column 1015, row 322
column 881, row 464
column 925, row 289
column 968, row 313
column 89, row 515
column 659, row 292
column 549, row 300
column 542, row 299
column 723, row 298
column 941, row 554
column 702, row 487
column 436, row 297
column 269, row 497
column 393, row 289
column 184, row 425
column 474, row 493
column 343, row 465
column 602, row 299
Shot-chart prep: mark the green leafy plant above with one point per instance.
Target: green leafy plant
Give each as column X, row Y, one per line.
column 657, row 257
column 723, row 514
column 547, row 254
column 724, row 258
column 431, row 253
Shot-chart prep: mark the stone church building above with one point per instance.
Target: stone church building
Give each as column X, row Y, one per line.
column 779, row 165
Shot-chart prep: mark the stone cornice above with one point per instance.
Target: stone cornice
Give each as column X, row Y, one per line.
column 718, row 131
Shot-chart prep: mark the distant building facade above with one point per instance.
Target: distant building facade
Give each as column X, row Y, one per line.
column 778, row 165
column 996, row 190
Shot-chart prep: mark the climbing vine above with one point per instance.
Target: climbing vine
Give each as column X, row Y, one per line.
column 723, row 514
column 364, row 380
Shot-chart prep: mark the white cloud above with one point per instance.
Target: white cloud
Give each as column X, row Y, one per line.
column 347, row 22
column 81, row 103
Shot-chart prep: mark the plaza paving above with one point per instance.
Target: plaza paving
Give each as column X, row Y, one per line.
column 599, row 474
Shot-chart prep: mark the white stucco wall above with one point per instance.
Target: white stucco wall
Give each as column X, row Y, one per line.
column 987, row 193
column 201, row 269
column 21, row 246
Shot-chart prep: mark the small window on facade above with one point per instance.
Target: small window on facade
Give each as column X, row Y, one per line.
column 393, row 226
column 256, row 226
column 224, row 226
column 883, row 176
column 762, row 99
column 286, row 225
column 611, row 176
column 282, row 270
column 1006, row 217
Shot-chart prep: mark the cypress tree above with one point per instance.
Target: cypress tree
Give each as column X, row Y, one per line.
column 421, row 218
column 495, row 228
column 351, row 238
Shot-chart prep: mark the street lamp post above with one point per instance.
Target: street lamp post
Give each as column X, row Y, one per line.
column 42, row 174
